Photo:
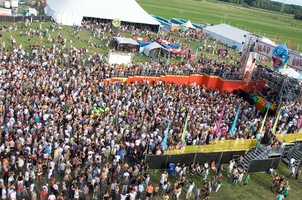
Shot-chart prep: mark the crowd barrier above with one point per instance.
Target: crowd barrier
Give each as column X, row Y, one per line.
column 289, row 138
column 23, row 18
column 163, row 161
column 213, row 82
column 218, row 146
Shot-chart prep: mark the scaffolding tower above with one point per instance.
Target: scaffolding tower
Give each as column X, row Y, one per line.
column 277, row 88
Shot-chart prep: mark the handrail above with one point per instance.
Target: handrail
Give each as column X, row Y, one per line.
column 293, row 150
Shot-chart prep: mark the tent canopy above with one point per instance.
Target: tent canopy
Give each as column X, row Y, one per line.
column 153, row 45
column 188, row 24
column 123, row 40
column 290, row 72
column 71, row 12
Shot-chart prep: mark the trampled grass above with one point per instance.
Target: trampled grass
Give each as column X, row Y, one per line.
column 277, row 26
column 259, row 187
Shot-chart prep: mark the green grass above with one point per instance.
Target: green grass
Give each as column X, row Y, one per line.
column 68, row 33
column 257, row 189
column 277, row 26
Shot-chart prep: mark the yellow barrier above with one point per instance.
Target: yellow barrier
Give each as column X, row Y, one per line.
column 232, row 145
column 288, row 138
column 219, row 146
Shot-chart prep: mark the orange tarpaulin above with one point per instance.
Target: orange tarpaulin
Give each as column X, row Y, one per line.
column 213, row 82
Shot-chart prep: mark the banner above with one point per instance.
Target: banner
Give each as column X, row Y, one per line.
column 250, row 65
column 264, row 49
column 164, row 144
column 219, row 121
column 263, row 121
column 276, row 121
column 295, row 60
column 184, row 131
column 233, row 128
column 299, row 123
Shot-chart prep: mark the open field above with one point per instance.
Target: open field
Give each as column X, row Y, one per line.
column 81, row 40
column 277, row 26
column 257, row 189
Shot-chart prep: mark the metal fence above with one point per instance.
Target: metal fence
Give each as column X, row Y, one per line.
column 23, row 18
column 157, row 73
column 163, row 161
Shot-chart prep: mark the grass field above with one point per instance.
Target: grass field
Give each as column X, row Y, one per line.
column 81, row 42
column 257, row 189
column 277, row 26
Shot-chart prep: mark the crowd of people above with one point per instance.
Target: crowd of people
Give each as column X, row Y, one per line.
column 65, row 134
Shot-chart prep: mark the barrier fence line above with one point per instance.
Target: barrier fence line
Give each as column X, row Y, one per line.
column 218, row 146
column 289, row 138
column 213, row 82
column 232, row 145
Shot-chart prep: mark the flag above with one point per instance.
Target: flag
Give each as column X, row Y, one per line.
column 196, row 52
column 276, row 121
column 221, row 51
column 263, row 121
column 299, row 123
column 264, row 60
column 164, row 143
column 232, row 130
column 184, row 131
column 219, row 121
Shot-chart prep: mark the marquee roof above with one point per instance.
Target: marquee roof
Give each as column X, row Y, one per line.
column 71, row 12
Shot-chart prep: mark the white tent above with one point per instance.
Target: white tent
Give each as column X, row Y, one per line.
column 227, row 35
column 150, row 47
column 71, row 12
column 188, row 24
column 123, row 40
column 290, row 72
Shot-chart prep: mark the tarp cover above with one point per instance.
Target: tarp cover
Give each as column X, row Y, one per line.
column 123, row 40
column 150, row 47
column 71, row 12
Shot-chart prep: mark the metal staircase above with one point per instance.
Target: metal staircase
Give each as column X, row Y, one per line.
column 287, row 149
column 294, row 152
column 261, row 154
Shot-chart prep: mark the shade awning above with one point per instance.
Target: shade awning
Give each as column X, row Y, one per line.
column 123, row 40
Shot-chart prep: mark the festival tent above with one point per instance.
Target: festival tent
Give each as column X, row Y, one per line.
column 290, row 72
column 150, row 47
column 172, row 46
column 71, row 12
column 227, row 35
column 123, row 40
column 188, row 24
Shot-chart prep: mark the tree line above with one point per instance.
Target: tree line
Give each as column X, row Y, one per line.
column 271, row 5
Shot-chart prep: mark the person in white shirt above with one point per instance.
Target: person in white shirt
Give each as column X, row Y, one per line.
column 52, row 197
column 4, row 193
column 190, row 189
column 13, row 195
column 132, row 195
column 124, row 196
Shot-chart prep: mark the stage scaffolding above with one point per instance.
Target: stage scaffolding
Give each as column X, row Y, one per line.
column 277, row 87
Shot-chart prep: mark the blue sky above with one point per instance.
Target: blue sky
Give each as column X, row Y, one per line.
column 296, row 2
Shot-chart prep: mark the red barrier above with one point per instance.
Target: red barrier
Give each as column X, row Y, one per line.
column 213, row 82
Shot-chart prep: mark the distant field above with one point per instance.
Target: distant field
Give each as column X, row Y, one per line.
column 277, row 26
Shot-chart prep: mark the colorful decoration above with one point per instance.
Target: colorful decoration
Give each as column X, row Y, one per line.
column 116, row 23
column 261, row 104
column 97, row 111
column 280, row 56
